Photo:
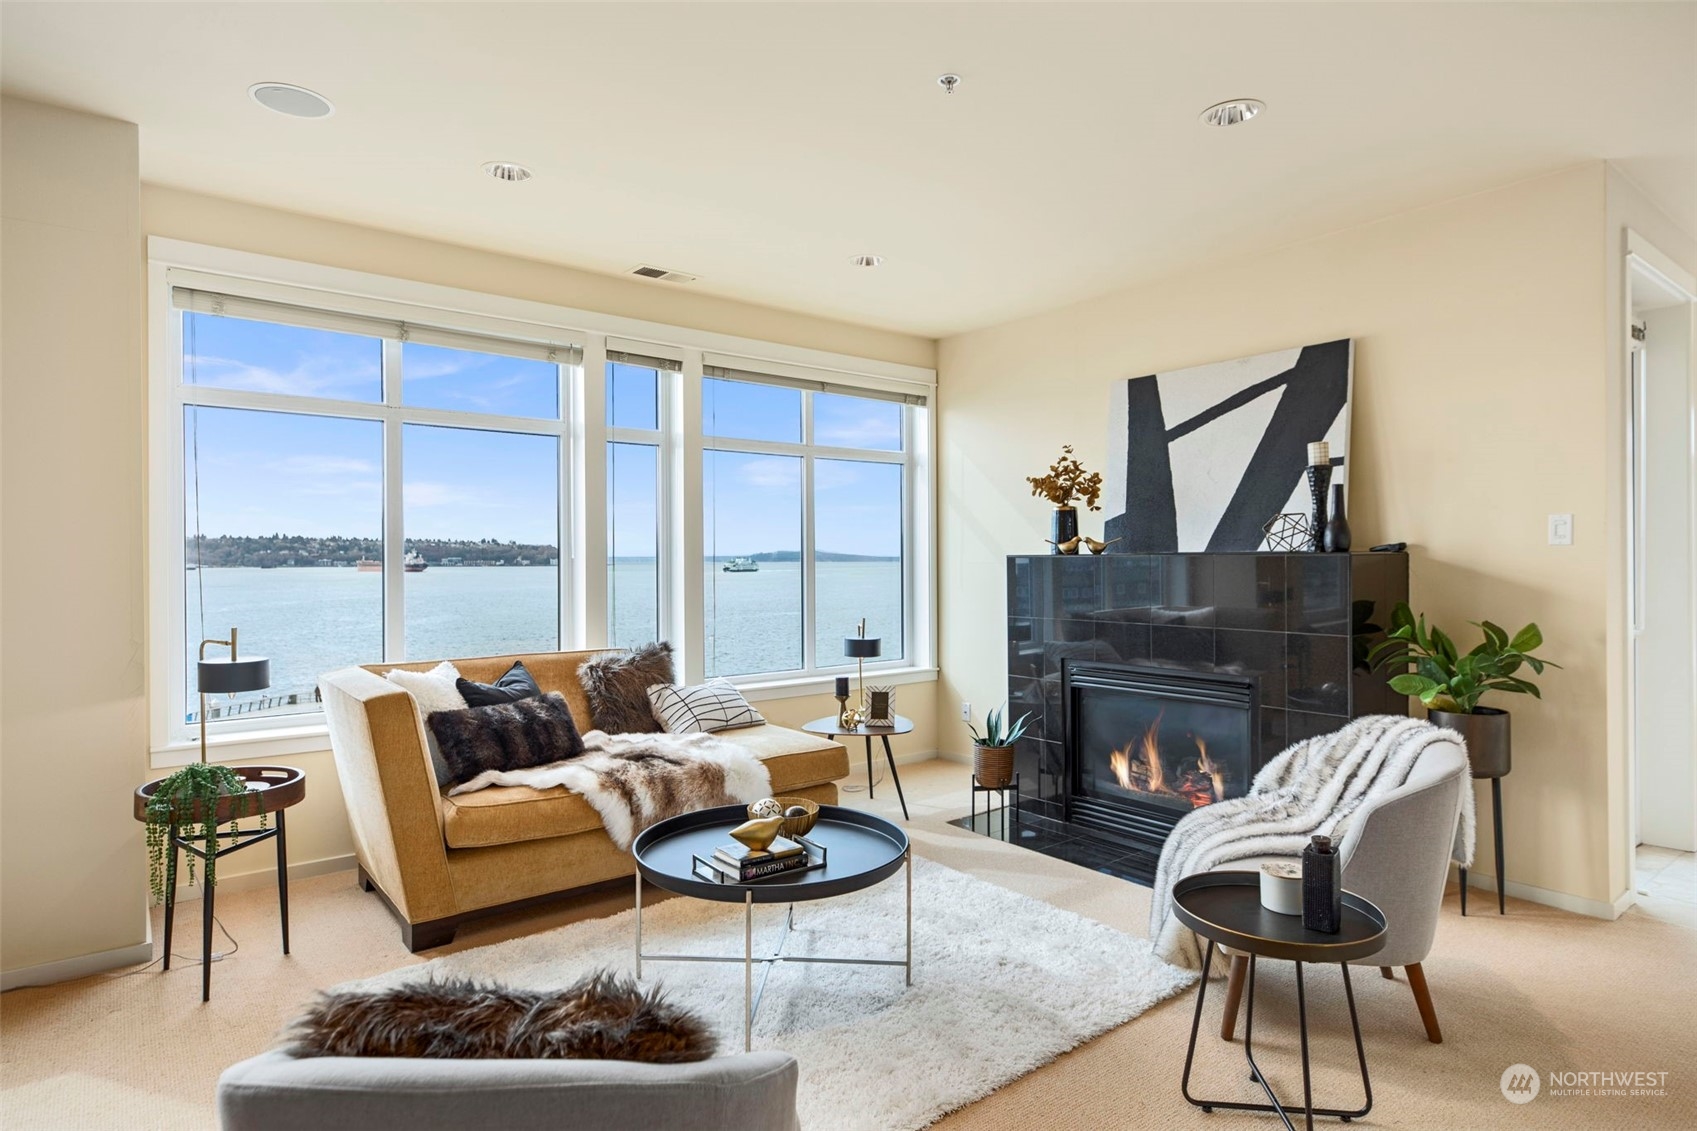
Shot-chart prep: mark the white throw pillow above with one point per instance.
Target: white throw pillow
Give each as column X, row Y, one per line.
column 434, row 690
column 714, row 705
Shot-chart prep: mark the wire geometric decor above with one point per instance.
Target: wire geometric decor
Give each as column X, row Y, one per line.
column 1289, row 533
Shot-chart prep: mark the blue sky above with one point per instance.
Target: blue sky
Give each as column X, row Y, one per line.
column 265, row 473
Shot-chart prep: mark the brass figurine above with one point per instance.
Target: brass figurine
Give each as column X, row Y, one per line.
column 758, row 834
column 1070, row 546
column 1096, row 547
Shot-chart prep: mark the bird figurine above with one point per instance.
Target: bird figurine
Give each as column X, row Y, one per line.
column 1070, row 546
column 1097, row 547
column 759, row 833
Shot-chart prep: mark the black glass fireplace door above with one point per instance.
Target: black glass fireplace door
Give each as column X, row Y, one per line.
column 1144, row 746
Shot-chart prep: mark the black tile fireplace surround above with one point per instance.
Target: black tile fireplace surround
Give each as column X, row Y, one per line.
column 1297, row 626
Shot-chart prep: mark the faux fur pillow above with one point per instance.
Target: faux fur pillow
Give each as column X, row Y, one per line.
column 603, row 1017
column 617, row 685
column 506, row 736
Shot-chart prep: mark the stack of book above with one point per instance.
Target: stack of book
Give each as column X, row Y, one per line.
column 741, row 864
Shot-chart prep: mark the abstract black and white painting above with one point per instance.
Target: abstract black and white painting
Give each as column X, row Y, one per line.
column 1200, row 458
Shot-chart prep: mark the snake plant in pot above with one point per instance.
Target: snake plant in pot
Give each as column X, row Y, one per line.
column 992, row 748
column 1451, row 682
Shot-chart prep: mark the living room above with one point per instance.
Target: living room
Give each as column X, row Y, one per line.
column 758, row 397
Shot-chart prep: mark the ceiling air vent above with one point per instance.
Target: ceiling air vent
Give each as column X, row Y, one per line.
column 662, row 274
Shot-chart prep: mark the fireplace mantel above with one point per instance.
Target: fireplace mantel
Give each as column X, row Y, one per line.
column 1300, row 623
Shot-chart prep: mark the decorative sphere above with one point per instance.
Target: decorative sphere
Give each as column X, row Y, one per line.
column 766, row 807
column 795, row 811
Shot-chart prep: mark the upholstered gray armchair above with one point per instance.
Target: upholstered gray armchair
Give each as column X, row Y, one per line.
column 1396, row 853
column 278, row 1092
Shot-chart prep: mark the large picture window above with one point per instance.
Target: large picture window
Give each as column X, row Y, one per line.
column 805, row 492
column 363, row 476
column 358, row 490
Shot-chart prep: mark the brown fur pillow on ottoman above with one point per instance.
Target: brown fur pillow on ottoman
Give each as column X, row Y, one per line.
column 603, row 1017
column 617, row 683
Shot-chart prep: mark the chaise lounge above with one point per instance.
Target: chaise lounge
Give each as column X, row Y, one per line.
column 439, row 861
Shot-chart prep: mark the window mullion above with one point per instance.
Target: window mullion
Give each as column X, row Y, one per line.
column 394, row 513
column 590, row 540
column 808, row 613
column 688, row 552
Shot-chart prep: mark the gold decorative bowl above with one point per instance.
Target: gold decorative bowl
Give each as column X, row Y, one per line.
column 799, row 826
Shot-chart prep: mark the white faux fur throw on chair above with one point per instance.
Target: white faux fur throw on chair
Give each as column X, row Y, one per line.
column 634, row 780
column 1311, row 789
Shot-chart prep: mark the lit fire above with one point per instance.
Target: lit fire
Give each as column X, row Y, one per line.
column 1200, row 785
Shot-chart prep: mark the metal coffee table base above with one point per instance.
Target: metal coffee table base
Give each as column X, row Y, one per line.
column 1249, row 1053
column 751, row 994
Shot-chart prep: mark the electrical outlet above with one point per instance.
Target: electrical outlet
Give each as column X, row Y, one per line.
column 1561, row 530
column 965, row 711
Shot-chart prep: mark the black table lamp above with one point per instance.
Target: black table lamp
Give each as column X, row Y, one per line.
column 228, row 676
column 861, row 648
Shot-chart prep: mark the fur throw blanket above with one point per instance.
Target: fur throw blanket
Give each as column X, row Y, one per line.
column 1312, row 789
column 634, row 780
column 603, row 1017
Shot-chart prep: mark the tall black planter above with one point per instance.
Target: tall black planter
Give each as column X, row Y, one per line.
column 1336, row 540
column 1318, row 479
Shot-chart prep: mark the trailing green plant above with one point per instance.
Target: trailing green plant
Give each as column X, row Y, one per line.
column 1447, row 679
column 995, row 733
column 194, row 789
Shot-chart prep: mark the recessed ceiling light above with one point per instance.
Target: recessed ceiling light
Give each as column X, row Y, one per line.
column 867, row 260
column 1235, row 112
column 295, row 101
column 507, row 171
column 949, row 82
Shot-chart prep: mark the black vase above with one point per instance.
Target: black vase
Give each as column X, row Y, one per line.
column 1065, row 529
column 1322, row 887
column 1318, row 479
column 1337, row 528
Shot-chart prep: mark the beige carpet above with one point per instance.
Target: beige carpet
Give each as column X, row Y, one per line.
column 1558, row 992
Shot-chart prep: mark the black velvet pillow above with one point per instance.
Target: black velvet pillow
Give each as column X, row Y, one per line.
column 517, row 684
column 603, row 1017
column 505, row 736
column 617, row 684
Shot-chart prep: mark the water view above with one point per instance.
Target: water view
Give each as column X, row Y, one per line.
column 311, row 620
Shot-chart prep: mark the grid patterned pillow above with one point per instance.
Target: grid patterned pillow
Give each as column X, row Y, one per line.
column 714, row 705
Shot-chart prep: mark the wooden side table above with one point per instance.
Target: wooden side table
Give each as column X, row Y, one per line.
column 278, row 788
column 831, row 727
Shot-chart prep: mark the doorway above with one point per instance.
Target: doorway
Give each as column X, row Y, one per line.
column 1662, row 575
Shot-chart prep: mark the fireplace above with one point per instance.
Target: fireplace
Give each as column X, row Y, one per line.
column 1143, row 746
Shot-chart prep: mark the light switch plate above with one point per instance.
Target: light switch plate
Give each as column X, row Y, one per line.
column 1561, row 530
column 965, row 711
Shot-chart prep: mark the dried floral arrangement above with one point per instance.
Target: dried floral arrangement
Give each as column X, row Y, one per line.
column 1067, row 480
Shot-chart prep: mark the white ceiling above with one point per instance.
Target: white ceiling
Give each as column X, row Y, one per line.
column 760, row 146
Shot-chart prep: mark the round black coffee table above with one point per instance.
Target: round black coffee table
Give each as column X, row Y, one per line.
column 860, row 849
column 1225, row 908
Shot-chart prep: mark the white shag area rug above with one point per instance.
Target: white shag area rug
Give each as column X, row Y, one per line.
column 1002, row 984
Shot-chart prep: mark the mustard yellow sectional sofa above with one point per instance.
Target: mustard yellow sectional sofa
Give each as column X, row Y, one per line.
column 439, row 861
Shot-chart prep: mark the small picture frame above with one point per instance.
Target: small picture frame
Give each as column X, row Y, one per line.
column 880, row 706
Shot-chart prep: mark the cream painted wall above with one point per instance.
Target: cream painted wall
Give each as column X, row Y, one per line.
column 318, row 832
column 1481, row 394
column 72, row 712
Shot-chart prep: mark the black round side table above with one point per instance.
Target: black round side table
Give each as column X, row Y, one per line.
column 277, row 787
column 1225, row 908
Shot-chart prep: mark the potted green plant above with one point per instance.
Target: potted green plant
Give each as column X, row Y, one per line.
column 992, row 749
column 1067, row 480
column 1450, row 682
column 197, row 795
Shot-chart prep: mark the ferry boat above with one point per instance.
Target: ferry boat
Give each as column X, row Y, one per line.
column 413, row 563
column 742, row 565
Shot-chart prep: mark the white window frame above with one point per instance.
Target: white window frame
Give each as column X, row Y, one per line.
column 583, row 435
column 809, row 452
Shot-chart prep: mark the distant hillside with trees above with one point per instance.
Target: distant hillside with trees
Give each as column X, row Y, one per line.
column 297, row 550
